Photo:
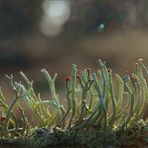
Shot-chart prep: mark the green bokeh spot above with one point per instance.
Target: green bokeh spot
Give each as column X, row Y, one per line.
column 100, row 27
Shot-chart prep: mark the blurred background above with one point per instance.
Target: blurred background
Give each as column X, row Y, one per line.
column 53, row 34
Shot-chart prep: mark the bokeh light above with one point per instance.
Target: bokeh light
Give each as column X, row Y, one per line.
column 56, row 13
column 100, row 27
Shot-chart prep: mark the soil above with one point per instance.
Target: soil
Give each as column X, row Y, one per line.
column 17, row 143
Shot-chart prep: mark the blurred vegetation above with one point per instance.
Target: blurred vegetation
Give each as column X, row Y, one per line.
column 18, row 17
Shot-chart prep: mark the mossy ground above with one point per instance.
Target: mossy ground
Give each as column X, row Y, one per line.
column 134, row 136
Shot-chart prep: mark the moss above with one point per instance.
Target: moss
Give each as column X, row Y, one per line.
column 133, row 136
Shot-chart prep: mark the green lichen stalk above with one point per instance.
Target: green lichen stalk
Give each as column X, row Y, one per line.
column 101, row 109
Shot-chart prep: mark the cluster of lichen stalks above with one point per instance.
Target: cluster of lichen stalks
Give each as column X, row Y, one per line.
column 95, row 102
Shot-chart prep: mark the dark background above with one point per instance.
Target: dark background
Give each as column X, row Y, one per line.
column 30, row 39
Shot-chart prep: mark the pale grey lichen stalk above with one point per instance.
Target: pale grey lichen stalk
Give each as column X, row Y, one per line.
column 100, row 102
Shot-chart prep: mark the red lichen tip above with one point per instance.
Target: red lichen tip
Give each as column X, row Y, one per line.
column 78, row 76
column 67, row 78
column 141, row 60
column 3, row 118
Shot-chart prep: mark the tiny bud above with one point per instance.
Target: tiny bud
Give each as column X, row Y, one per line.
column 136, row 64
column 99, row 60
column 84, row 101
column 91, row 80
column 109, row 70
column 127, row 73
column 88, row 69
column 78, row 76
column 141, row 60
column 67, row 78
column 3, row 118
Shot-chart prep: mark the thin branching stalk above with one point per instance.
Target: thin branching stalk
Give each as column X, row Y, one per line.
column 94, row 105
